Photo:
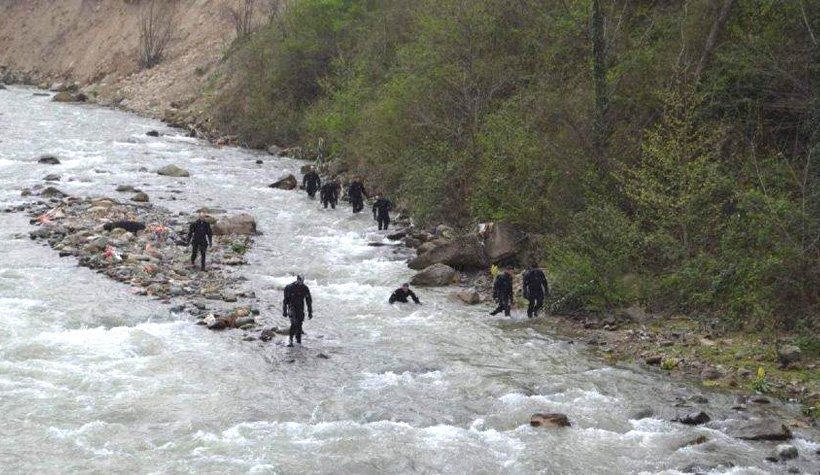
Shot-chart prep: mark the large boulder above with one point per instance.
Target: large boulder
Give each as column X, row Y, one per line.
column 502, row 241
column 51, row 192
column 174, row 171
column 759, row 429
column 287, row 182
column 468, row 296
column 437, row 275
column 465, row 252
column 237, row 224
column 140, row 197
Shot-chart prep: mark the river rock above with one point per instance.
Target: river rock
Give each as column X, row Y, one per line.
column 173, row 171
column 152, row 133
column 468, row 296
column 694, row 419
column 501, row 241
column 96, row 245
column 275, row 150
column 48, row 160
column 425, row 247
column 2, row 87
column 51, row 192
column 462, row 253
column 549, row 420
column 437, row 275
column 51, row 177
column 758, row 429
column 786, row 452
column 787, row 355
column 287, row 182
column 710, row 373
column 268, row 334
column 125, row 188
column 238, row 224
column 64, row 96
column 140, row 197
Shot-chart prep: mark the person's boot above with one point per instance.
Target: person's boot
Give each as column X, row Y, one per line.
column 290, row 344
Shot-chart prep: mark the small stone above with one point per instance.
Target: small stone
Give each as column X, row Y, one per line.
column 51, row 177
column 173, row 171
column 152, row 133
column 666, row 343
column 654, row 360
column 259, row 162
column 229, row 297
column 140, row 197
column 760, row 400
column 125, row 188
column 709, row 373
column 702, row 439
column 323, row 356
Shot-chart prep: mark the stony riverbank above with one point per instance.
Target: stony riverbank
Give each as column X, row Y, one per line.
column 107, row 235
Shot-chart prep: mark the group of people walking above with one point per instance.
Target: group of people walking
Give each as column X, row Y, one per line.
column 331, row 191
column 536, row 289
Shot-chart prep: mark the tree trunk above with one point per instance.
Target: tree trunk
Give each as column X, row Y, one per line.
column 600, row 130
column 711, row 40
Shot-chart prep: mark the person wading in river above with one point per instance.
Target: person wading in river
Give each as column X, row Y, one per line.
column 356, row 193
column 536, row 288
column 401, row 294
column 503, row 291
column 311, row 182
column 381, row 211
column 297, row 294
column 329, row 194
column 201, row 236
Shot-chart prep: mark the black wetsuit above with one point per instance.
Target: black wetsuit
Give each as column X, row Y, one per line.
column 381, row 212
column 311, row 182
column 293, row 307
column 356, row 193
column 503, row 293
column 329, row 194
column 401, row 294
column 200, row 235
column 536, row 288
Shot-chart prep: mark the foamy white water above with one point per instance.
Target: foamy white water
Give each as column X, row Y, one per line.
column 96, row 380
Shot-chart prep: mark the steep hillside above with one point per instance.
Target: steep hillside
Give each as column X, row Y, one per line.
column 96, row 42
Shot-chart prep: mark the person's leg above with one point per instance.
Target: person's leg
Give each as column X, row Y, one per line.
column 299, row 330
column 530, row 307
column 386, row 222
column 194, row 252
column 539, row 303
column 202, row 249
column 498, row 309
column 507, row 306
column 291, row 331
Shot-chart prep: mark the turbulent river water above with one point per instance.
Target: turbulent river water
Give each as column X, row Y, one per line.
column 94, row 379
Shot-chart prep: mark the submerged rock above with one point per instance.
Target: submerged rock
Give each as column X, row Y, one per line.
column 693, row 419
column 287, row 182
column 550, row 420
column 173, row 171
column 48, row 160
column 758, row 429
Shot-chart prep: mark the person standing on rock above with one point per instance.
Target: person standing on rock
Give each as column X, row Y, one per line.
column 201, row 236
column 536, row 288
column 503, row 291
column 297, row 294
column 381, row 211
column 329, row 194
column 311, row 182
column 401, row 294
column 356, row 193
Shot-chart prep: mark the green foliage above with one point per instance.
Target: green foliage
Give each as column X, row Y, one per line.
column 703, row 196
column 760, row 384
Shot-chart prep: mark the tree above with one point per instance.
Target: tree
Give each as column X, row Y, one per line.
column 241, row 17
column 156, row 27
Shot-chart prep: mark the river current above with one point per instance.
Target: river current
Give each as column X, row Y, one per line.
column 95, row 379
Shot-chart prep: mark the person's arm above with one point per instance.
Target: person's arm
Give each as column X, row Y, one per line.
column 285, row 302
column 318, row 181
column 209, row 233
column 413, row 296
column 305, row 179
column 496, row 285
column 190, row 233
column 309, row 301
column 375, row 208
column 546, row 284
column 392, row 298
column 526, row 284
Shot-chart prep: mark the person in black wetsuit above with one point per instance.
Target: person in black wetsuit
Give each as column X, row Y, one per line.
column 536, row 288
column 297, row 294
column 311, row 182
column 201, row 236
column 329, row 193
column 401, row 294
column 381, row 211
column 503, row 291
column 356, row 193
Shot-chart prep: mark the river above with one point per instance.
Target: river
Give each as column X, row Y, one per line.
column 94, row 379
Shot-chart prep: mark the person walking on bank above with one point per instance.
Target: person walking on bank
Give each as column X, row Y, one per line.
column 401, row 294
column 356, row 193
column 311, row 182
column 201, row 236
column 297, row 294
column 329, row 194
column 381, row 211
column 503, row 291
column 536, row 288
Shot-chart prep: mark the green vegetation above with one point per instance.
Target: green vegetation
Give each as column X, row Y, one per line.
column 669, row 152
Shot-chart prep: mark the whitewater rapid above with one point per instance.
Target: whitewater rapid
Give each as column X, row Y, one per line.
column 94, row 379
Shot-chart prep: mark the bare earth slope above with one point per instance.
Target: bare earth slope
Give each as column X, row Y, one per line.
column 95, row 42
